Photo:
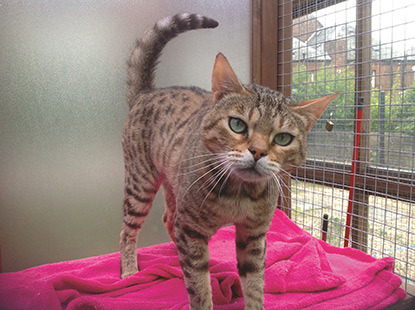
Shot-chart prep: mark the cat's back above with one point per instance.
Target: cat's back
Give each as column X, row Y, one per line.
column 166, row 106
column 162, row 120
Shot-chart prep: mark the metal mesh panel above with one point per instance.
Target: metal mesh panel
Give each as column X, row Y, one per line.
column 366, row 51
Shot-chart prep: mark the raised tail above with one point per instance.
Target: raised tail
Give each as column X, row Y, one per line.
column 147, row 50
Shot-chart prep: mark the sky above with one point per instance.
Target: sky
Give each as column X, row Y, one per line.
column 392, row 21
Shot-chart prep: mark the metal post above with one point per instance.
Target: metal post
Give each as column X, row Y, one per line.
column 363, row 86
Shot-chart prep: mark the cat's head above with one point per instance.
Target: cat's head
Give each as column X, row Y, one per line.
column 256, row 131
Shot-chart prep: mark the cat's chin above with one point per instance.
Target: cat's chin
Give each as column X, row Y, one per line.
column 250, row 175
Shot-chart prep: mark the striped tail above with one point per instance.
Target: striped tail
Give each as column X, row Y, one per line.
column 147, row 50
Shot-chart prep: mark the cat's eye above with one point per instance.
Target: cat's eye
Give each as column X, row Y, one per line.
column 237, row 125
column 283, row 139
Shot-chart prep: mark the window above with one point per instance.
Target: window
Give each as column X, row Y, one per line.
column 366, row 50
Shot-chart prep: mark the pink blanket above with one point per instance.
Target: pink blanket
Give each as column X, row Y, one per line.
column 301, row 272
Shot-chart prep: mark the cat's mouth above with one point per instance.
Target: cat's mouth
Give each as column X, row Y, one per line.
column 250, row 174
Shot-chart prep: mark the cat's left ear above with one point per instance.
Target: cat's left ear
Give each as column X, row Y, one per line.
column 224, row 79
column 312, row 109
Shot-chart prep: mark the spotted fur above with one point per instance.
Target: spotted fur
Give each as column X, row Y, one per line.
column 182, row 139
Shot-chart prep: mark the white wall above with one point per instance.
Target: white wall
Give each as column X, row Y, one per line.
column 62, row 109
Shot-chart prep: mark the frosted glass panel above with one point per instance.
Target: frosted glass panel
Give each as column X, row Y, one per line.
column 62, row 85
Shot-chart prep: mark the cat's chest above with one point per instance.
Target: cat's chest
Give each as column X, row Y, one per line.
column 241, row 205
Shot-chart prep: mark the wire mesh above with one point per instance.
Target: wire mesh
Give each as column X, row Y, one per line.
column 362, row 49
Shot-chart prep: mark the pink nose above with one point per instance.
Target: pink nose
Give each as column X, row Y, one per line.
column 257, row 152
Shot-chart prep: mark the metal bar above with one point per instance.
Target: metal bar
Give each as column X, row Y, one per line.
column 362, row 87
column 356, row 148
column 325, row 227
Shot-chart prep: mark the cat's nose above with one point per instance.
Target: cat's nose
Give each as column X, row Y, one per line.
column 258, row 152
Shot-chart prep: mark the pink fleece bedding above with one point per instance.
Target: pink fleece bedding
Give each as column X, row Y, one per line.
column 301, row 272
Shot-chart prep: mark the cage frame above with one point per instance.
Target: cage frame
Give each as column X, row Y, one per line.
column 272, row 22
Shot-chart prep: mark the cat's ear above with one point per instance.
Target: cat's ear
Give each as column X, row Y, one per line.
column 312, row 109
column 224, row 79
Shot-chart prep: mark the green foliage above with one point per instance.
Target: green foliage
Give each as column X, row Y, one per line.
column 326, row 80
column 398, row 107
column 395, row 114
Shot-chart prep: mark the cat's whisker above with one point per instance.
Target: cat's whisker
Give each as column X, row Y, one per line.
column 272, row 191
column 216, row 158
column 280, row 191
column 213, row 155
column 280, row 182
column 201, row 168
column 199, row 178
column 279, row 177
column 218, row 173
column 213, row 160
column 277, row 182
column 285, row 172
column 226, row 179
column 289, row 175
column 275, row 190
column 287, row 187
column 212, row 178
column 223, row 172
column 198, row 156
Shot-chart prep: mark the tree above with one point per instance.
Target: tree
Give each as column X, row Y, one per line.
column 325, row 80
column 397, row 104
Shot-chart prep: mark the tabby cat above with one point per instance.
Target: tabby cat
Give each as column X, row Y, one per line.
column 218, row 157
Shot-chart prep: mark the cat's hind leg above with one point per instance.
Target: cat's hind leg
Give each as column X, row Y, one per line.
column 139, row 195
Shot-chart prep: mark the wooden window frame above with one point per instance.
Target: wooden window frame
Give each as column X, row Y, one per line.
column 270, row 58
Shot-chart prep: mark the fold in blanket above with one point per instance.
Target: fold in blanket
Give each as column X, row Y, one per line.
column 301, row 272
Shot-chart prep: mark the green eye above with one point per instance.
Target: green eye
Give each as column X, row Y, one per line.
column 283, row 139
column 237, row 125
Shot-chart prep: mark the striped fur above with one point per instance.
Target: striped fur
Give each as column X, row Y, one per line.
column 146, row 51
column 182, row 139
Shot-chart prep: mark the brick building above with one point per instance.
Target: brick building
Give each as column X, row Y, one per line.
column 316, row 46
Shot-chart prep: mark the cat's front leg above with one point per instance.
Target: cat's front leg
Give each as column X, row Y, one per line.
column 192, row 247
column 250, row 252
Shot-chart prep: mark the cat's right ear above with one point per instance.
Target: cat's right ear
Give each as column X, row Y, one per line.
column 224, row 79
